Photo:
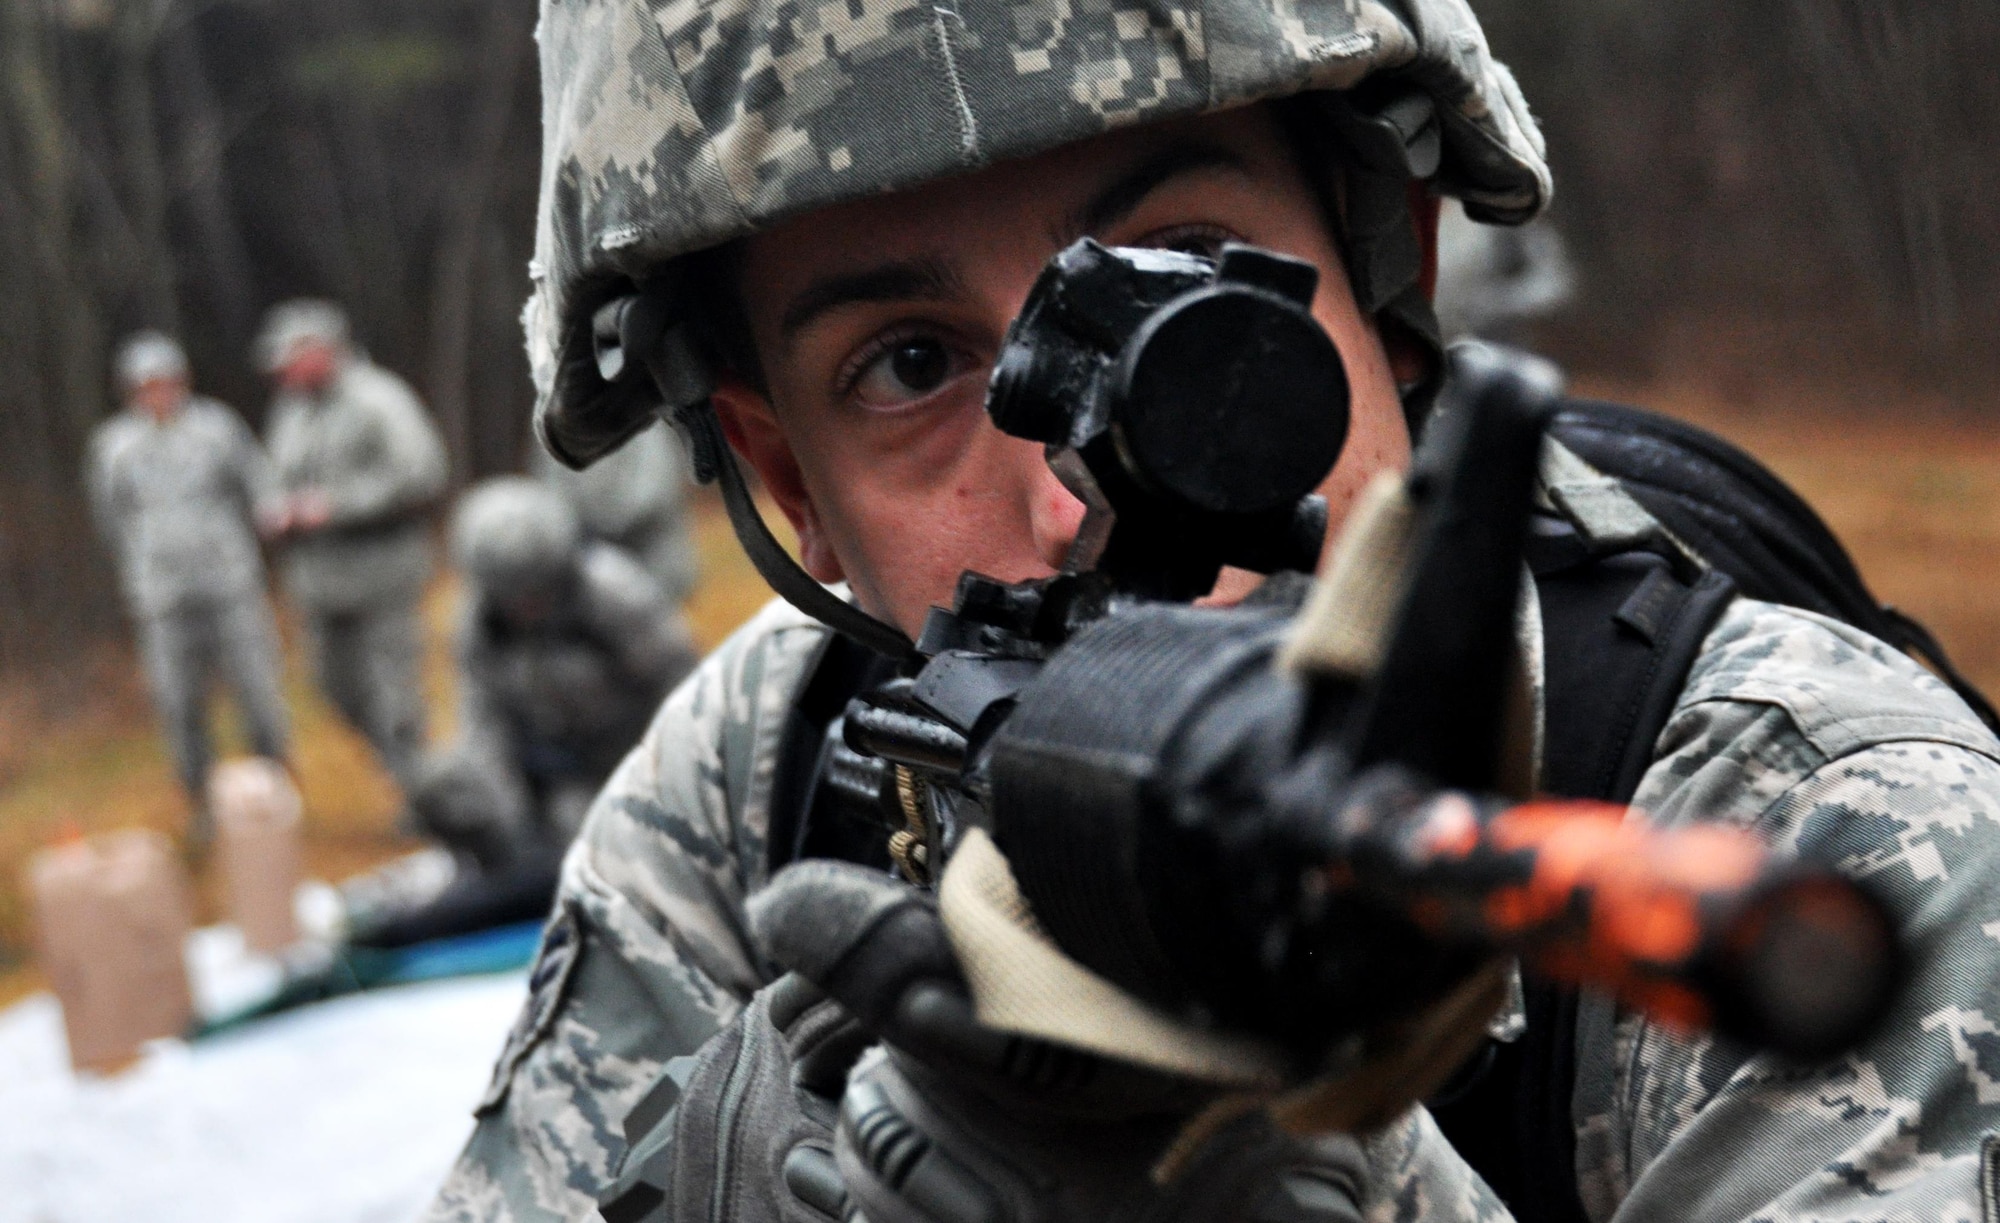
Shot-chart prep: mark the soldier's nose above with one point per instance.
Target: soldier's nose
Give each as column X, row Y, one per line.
column 1054, row 516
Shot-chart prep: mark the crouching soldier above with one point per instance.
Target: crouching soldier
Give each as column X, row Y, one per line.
column 175, row 483
column 565, row 650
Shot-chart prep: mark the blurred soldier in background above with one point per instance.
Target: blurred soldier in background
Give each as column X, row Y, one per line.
column 358, row 462
column 1494, row 280
column 176, row 482
column 637, row 498
column 566, row 647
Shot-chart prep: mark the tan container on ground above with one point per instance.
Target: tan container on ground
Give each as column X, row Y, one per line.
column 258, row 829
column 111, row 920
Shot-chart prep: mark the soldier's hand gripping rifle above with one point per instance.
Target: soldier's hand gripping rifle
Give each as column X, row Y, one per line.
column 1291, row 828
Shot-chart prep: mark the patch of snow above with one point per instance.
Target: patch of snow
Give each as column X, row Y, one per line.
column 225, row 975
column 350, row 1111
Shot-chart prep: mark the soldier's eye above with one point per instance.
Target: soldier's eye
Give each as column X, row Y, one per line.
column 901, row 370
column 1192, row 239
column 919, row 365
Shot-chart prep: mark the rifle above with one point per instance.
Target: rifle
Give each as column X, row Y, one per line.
column 1291, row 827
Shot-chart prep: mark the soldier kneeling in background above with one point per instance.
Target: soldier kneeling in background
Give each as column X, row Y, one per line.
column 565, row 649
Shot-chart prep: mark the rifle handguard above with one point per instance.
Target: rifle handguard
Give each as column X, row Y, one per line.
column 1698, row 927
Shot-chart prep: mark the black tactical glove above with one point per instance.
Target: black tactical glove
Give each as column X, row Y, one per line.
column 954, row 1122
column 743, row 1129
column 917, row 1147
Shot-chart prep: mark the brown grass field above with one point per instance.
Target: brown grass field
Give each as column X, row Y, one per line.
column 1913, row 490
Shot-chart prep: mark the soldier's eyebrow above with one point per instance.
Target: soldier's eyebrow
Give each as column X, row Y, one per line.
column 923, row 278
column 1116, row 200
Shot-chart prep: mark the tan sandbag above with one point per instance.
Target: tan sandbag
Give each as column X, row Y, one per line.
column 111, row 918
column 258, row 833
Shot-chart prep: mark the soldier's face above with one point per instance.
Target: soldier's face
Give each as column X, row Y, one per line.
column 160, row 398
column 529, row 607
column 308, row 367
column 877, row 323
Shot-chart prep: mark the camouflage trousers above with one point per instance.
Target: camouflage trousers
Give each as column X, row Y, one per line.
column 369, row 663
column 186, row 649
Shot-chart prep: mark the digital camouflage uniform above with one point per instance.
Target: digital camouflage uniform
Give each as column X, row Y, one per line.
column 637, row 499
column 1804, row 729
column 368, row 444
column 177, row 503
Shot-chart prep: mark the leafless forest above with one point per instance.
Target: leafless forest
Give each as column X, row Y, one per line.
column 184, row 164
column 1800, row 188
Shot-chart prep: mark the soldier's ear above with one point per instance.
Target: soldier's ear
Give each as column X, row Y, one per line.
column 753, row 432
column 1424, row 206
column 1409, row 356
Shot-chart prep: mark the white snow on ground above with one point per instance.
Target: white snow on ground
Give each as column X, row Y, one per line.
column 346, row 1112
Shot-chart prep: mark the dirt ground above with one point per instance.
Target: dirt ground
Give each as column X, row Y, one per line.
column 1913, row 490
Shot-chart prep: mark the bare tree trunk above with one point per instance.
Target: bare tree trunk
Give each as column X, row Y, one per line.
column 28, row 445
column 1876, row 152
column 135, row 33
column 229, row 282
column 455, row 274
column 70, row 326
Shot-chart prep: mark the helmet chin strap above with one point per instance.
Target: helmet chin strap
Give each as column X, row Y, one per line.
column 793, row 584
column 640, row 343
column 638, row 327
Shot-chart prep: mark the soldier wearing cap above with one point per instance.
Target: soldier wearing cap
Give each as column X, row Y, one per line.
column 833, row 211
column 357, row 464
column 176, row 482
column 565, row 648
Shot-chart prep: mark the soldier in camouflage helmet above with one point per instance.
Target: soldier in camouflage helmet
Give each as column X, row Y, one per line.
column 565, row 648
column 176, row 482
column 358, row 463
column 835, row 209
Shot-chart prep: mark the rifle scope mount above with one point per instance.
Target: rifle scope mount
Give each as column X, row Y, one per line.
column 1193, row 405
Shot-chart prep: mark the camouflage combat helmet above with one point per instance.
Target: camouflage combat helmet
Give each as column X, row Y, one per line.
column 673, row 127
column 291, row 323
column 513, row 532
column 669, row 128
column 147, row 355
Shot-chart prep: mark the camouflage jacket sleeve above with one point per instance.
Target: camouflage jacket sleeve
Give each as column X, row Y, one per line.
column 256, row 484
column 647, row 955
column 408, row 469
column 110, row 502
column 1827, row 741
column 634, row 616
